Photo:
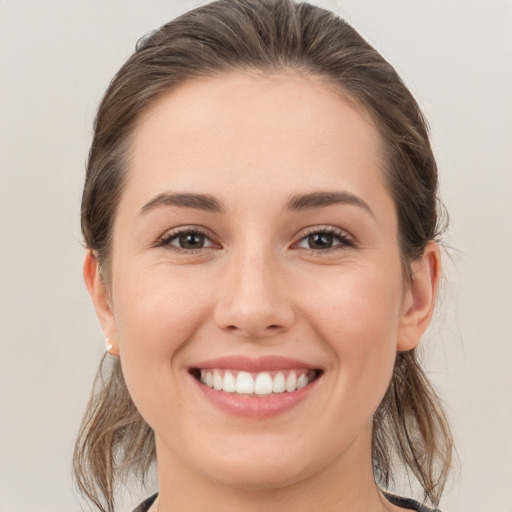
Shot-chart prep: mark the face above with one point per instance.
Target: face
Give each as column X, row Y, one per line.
column 256, row 296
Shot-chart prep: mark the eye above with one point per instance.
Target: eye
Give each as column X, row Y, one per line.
column 324, row 239
column 186, row 240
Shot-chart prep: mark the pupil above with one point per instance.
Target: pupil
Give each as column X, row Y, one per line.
column 320, row 241
column 191, row 241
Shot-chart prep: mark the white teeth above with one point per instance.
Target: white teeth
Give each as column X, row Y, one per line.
column 218, row 381
column 291, row 382
column 260, row 384
column 229, row 383
column 244, row 383
column 279, row 384
column 302, row 381
column 263, row 384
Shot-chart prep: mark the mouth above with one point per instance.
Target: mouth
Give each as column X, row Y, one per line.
column 256, row 384
column 258, row 388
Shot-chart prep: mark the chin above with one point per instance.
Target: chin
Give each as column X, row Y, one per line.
column 264, row 477
column 267, row 466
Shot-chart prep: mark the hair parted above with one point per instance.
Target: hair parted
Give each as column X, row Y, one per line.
column 267, row 36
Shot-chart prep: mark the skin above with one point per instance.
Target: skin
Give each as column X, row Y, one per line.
column 257, row 288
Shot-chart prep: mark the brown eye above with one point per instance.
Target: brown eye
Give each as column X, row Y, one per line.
column 325, row 239
column 191, row 240
column 186, row 241
column 320, row 241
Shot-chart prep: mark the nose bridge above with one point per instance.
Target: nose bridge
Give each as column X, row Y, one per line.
column 253, row 300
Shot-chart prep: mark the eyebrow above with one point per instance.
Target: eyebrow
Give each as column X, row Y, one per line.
column 184, row 200
column 314, row 200
column 298, row 202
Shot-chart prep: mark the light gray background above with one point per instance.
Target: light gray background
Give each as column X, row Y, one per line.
column 57, row 57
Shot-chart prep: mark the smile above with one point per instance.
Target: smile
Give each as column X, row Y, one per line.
column 259, row 384
column 261, row 387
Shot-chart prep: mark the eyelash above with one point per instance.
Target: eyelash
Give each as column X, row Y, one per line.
column 345, row 241
column 169, row 236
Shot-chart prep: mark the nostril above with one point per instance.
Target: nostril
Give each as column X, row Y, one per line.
column 272, row 327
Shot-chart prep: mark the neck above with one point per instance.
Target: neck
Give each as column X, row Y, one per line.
column 345, row 484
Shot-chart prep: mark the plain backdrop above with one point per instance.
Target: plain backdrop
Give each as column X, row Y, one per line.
column 56, row 59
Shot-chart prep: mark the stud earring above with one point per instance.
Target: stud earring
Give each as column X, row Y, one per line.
column 108, row 345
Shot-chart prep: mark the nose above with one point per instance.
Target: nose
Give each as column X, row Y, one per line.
column 253, row 300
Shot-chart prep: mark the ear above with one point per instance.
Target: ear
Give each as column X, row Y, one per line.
column 420, row 298
column 100, row 298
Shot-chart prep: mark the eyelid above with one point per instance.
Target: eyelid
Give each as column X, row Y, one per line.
column 347, row 240
column 171, row 234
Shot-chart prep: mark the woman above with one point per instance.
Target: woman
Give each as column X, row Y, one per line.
column 261, row 216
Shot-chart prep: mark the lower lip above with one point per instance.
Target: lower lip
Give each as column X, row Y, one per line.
column 255, row 406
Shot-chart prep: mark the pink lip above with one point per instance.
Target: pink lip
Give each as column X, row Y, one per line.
column 255, row 365
column 254, row 406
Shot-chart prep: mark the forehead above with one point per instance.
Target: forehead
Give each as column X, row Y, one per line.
column 254, row 134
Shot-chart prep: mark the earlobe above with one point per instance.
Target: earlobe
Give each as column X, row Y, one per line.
column 100, row 298
column 420, row 298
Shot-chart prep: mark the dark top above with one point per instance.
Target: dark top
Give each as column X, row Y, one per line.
column 144, row 506
column 407, row 503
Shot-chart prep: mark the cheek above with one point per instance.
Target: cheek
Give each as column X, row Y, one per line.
column 365, row 299
column 357, row 315
column 156, row 314
column 157, row 307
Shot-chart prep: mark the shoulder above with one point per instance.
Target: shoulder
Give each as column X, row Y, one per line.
column 144, row 506
column 408, row 503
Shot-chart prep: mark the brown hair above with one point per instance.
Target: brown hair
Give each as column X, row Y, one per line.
column 270, row 36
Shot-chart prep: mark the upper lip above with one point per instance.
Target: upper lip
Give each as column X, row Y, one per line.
column 255, row 365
